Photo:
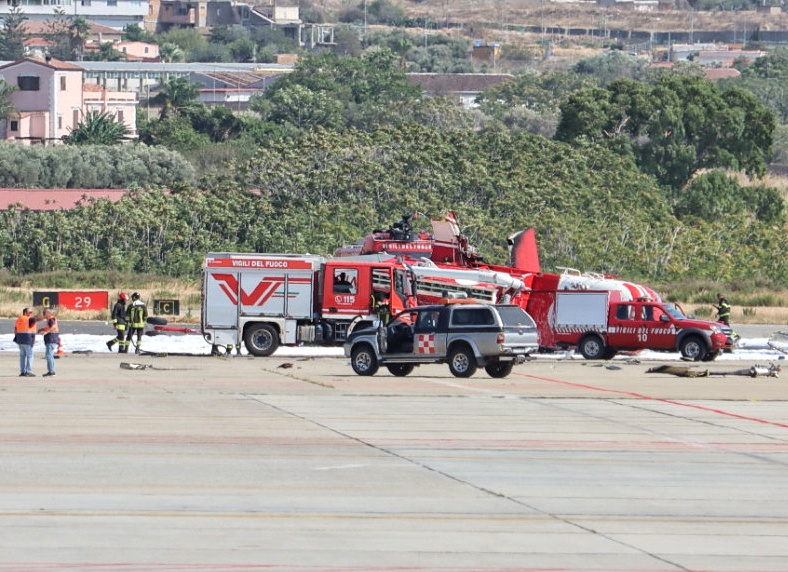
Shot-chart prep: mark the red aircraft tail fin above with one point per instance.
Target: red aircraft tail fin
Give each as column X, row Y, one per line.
column 523, row 252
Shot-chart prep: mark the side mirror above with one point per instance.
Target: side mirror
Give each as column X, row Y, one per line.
column 664, row 318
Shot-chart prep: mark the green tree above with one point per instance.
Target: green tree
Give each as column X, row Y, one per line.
column 7, row 107
column 540, row 92
column 612, row 65
column 188, row 40
column 136, row 33
column 78, row 33
column 97, row 128
column 354, row 89
column 301, row 107
column 177, row 96
column 57, row 33
column 106, row 53
column 674, row 127
column 13, row 33
column 174, row 132
column 170, row 52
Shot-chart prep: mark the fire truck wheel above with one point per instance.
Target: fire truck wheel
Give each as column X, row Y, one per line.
column 261, row 340
column 462, row 362
column 592, row 347
column 400, row 369
column 363, row 360
column 499, row 368
column 694, row 348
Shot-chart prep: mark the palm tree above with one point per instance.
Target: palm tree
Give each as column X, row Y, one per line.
column 169, row 52
column 176, row 97
column 97, row 128
column 78, row 34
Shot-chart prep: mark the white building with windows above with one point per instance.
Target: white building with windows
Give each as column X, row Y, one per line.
column 112, row 13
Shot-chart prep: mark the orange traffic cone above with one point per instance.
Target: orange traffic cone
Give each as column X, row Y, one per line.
column 60, row 351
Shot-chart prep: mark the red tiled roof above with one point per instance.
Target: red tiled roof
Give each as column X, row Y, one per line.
column 457, row 82
column 54, row 199
column 37, row 28
column 720, row 73
column 52, row 63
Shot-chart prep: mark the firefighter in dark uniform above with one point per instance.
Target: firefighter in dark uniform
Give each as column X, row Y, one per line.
column 137, row 314
column 723, row 310
column 119, row 323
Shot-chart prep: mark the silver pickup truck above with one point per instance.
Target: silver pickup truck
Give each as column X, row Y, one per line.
column 464, row 335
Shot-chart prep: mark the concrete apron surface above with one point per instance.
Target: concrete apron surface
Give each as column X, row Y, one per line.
column 223, row 464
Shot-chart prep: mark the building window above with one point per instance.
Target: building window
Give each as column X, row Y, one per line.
column 112, row 2
column 119, row 116
column 146, row 49
column 62, row 83
column 75, row 118
column 86, row 2
column 60, row 122
column 28, row 82
column 14, row 125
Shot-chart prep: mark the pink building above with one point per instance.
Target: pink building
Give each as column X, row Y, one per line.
column 51, row 99
column 138, row 50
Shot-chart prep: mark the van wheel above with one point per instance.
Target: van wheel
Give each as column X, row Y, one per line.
column 400, row 369
column 261, row 340
column 592, row 347
column 363, row 360
column 462, row 362
column 694, row 348
column 499, row 368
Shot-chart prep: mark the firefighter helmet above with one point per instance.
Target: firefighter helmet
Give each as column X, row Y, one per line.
column 123, row 296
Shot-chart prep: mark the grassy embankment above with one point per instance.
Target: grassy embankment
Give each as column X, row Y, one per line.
column 752, row 303
column 17, row 292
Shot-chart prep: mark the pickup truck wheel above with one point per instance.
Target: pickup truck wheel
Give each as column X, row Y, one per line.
column 462, row 362
column 499, row 368
column 363, row 360
column 261, row 340
column 592, row 347
column 400, row 369
column 711, row 356
column 694, row 348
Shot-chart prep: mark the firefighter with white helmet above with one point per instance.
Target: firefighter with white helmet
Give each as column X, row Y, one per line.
column 119, row 323
column 137, row 314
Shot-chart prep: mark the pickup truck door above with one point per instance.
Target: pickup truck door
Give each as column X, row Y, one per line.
column 656, row 329
column 429, row 333
column 623, row 325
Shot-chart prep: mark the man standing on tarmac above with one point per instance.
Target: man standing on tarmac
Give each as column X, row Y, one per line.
column 51, row 333
column 25, row 337
column 119, row 323
column 137, row 316
column 723, row 310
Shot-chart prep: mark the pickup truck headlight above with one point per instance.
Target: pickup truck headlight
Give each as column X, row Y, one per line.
column 715, row 329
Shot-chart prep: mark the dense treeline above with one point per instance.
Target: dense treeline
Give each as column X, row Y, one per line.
column 91, row 167
column 592, row 209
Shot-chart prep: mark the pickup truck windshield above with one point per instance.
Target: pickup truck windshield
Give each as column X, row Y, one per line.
column 675, row 312
column 515, row 316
